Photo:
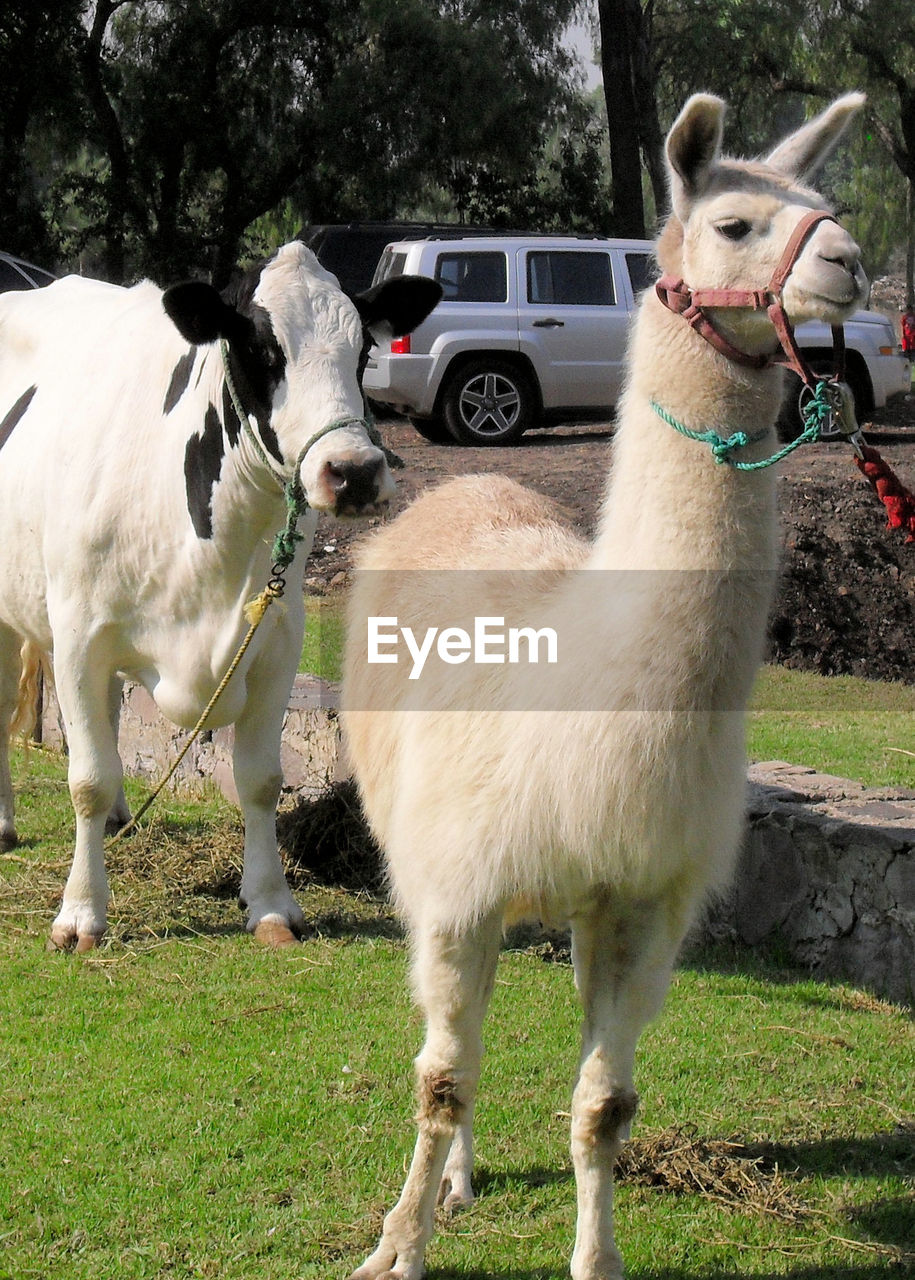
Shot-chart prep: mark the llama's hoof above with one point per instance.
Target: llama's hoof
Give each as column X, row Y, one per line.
column 273, row 933
column 394, row 1273
column 383, row 1265
column 455, row 1196
column 8, row 841
column 63, row 938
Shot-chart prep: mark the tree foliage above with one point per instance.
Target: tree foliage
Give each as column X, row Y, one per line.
column 191, row 119
column 168, row 136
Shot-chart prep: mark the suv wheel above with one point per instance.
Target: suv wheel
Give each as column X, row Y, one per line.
column 489, row 402
column 791, row 420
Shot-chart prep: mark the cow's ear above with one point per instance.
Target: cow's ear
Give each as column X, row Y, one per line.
column 398, row 305
column 200, row 314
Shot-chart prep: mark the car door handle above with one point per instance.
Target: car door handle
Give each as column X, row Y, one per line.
column 551, row 323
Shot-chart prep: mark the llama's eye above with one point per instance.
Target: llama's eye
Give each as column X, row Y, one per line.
column 734, row 228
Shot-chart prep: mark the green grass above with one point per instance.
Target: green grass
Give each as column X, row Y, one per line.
column 322, row 648
column 855, row 728
column 861, row 729
column 183, row 1103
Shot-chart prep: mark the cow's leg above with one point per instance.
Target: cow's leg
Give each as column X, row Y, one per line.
column 9, row 679
column 274, row 916
column 623, row 954
column 120, row 810
column 94, row 775
column 453, row 978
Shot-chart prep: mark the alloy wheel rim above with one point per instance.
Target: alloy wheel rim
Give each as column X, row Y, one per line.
column 489, row 404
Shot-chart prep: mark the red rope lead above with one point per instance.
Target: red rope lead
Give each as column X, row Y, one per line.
column 898, row 500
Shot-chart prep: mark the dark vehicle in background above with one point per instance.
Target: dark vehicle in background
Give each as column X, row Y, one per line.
column 16, row 273
column 351, row 250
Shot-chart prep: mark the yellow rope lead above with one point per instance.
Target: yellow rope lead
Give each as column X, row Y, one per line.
column 255, row 611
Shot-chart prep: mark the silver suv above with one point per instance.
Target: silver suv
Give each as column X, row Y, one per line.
column 533, row 330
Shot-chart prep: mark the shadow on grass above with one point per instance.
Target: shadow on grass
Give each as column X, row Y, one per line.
column 886, row 1225
column 889, row 1154
column 770, row 962
column 342, row 924
column 869, row 1271
column 493, row 1181
column 891, row 1221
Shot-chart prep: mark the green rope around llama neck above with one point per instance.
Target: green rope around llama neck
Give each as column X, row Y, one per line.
column 816, row 415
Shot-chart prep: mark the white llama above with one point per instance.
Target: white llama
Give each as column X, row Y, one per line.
column 614, row 801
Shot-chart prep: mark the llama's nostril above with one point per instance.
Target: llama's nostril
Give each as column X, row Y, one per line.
column 849, row 262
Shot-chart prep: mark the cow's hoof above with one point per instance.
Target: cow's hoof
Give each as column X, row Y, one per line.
column 65, row 939
column 8, row 842
column 271, row 933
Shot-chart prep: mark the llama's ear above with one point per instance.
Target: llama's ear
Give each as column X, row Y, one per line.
column 802, row 154
column 693, row 145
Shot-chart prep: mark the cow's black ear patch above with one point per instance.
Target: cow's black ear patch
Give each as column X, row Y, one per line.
column 200, row 315
column 398, row 305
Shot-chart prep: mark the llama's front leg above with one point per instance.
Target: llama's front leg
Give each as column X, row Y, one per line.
column 274, row 916
column 623, row 954
column 453, row 978
column 95, row 776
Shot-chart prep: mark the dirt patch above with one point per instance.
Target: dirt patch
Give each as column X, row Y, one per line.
column 328, row 842
column 679, row 1161
column 846, row 603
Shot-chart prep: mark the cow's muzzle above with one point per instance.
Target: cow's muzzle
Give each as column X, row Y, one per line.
column 358, row 487
column 344, row 470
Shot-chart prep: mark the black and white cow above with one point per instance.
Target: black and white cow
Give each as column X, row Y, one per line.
column 138, row 517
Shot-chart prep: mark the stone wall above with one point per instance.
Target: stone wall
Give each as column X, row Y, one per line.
column 149, row 744
column 827, row 867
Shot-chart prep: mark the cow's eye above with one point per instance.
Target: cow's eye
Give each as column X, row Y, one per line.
column 733, row 228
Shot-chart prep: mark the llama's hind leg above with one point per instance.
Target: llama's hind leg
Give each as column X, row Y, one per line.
column 453, row 977
column 456, row 1189
column 623, row 953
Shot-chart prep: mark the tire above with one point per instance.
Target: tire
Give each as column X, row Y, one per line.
column 489, row 402
column 433, row 430
column 790, row 421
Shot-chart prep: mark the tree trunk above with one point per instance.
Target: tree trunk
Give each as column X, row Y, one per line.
column 909, row 245
column 616, row 59
column 651, row 136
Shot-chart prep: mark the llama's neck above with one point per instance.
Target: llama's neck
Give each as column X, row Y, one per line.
column 669, row 504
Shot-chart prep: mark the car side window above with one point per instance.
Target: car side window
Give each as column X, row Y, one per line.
column 642, row 271
column 390, row 264
column 570, row 279
column 472, row 277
